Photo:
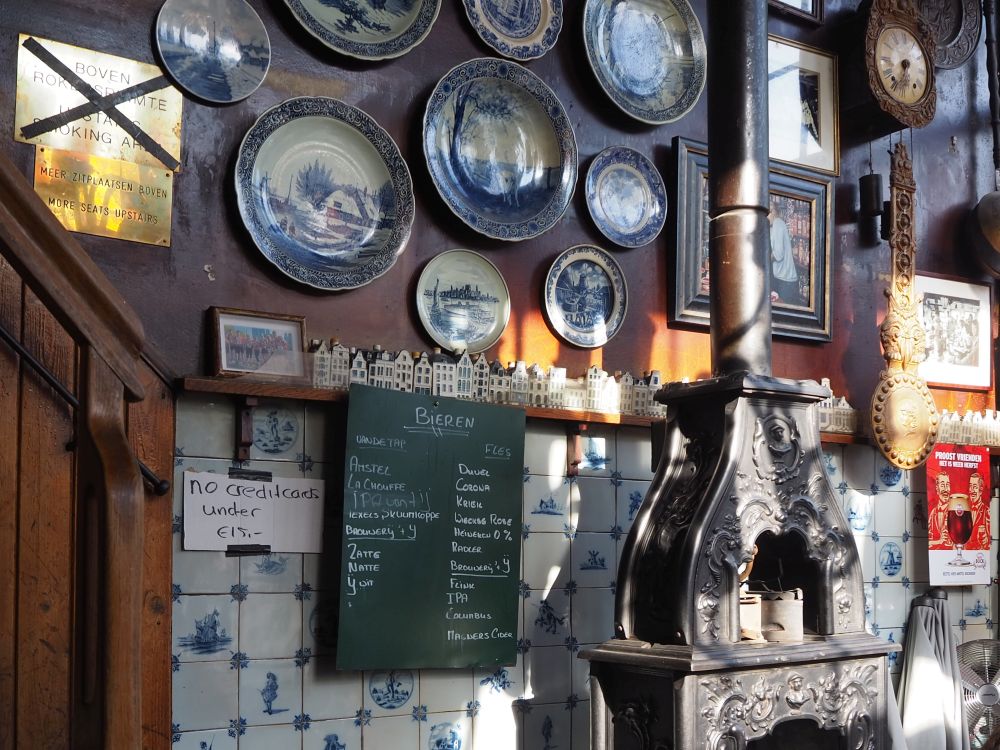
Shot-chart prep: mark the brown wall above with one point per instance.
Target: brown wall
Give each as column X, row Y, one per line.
column 170, row 288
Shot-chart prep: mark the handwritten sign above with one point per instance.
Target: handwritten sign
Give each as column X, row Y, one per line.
column 432, row 532
column 219, row 512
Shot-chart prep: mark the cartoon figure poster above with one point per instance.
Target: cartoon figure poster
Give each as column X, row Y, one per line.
column 958, row 515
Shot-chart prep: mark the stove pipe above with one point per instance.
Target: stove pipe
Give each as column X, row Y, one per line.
column 739, row 234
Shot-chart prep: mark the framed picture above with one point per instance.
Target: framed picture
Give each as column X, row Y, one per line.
column 956, row 318
column 808, row 10
column 803, row 122
column 800, row 203
column 246, row 342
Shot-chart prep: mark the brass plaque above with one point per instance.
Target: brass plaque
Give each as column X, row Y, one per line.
column 44, row 89
column 106, row 197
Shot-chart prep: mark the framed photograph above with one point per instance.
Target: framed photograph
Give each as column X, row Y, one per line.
column 800, row 203
column 803, row 122
column 246, row 342
column 807, row 10
column 956, row 318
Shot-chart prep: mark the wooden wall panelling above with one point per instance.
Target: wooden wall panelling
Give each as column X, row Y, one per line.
column 46, row 550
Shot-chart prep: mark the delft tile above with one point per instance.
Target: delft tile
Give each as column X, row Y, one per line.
column 328, row 693
column 859, row 466
column 206, row 426
column 332, row 735
column 915, row 560
column 915, row 590
column 446, row 689
column 277, row 572
column 593, row 615
column 597, row 449
column 391, row 732
column 283, row 736
column 893, row 635
column 891, row 557
column 579, row 677
column 496, row 726
column 204, row 695
column 976, row 604
column 592, row 557
column 890, row 606
column 547, row 504
column 205, row 628
column 887, row 476
column 203, row 572
column 446, row 731
column 546, row 561
column 499, row 686
column 547, row 674
column 869, row 594
column 889, row 513
column 278, row 428
column 580, row 721
column 977, row 632
column 316, row 429
column 213, row 465
column 547, row 725
column 270, row 691
column 592, row 504
column 635, row 453
column 916, row 514
column 391, row 692
column 216, row 739
column 833, row 462
column 866, row 555
column 858, row 511
column 270, row 626
column 547, row 621
column 319, row 623
column 630, row 495
column 545, row 449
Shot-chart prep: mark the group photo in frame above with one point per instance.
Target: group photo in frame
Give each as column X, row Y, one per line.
column 800, row 203
column 803, row 120
column 956, row 319
column 807, row 10
column 246, row 342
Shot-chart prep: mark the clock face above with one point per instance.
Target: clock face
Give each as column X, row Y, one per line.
column 901, row 64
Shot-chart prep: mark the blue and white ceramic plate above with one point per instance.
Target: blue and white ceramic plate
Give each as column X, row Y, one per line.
column 500, row 149
column 520, row 29
column 324, row 192
column 369, row 29
column 217, row 50
column 626, row 196
column 463, row 301
column 585, row 296
column 648, row 55
column 274, row 429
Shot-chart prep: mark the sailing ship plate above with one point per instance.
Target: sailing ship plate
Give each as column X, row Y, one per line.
column 500, row 148
column 463, row 301
column 324, row 192
column 648, row 55
column 585, row 296
column 519, row 29
column 216, row 50
column 368, row 29
column 626, row 196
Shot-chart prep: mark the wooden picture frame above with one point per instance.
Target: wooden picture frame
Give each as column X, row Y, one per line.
column 245, row 342
column 803, row 116
column 806, row 10
column 802, row 199
column 956, row 315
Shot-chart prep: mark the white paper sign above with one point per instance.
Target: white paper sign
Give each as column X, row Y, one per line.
column 286, row 514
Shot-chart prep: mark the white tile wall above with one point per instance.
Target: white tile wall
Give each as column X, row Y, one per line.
column 279, row 613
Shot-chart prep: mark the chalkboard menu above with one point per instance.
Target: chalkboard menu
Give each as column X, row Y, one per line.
column 432, row 532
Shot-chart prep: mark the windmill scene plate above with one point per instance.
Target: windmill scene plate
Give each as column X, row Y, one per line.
column 324, row 192
column 500, row 149
column 463, row 301
column 519, row 29
column 626, row 196
column 585, row 296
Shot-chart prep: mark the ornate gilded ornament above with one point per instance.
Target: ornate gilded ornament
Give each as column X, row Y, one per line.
column 904, row 419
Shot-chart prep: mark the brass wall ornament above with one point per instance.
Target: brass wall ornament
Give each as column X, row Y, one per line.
column 904, row 418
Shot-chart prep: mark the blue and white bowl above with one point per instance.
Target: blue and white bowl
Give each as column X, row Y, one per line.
column 521, row 30
column 626, row 196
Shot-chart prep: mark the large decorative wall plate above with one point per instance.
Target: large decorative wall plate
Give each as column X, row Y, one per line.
column 626, row 196
column 957, row 26
column 521, row 29
column 324, row 192
column 369, row 29
column 585, row 296
column 463, row 301
column 500, row 148
column 648, row 55
column 217, row 50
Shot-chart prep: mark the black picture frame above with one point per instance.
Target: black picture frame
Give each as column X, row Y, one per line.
column 805, row 194
column 812, row 14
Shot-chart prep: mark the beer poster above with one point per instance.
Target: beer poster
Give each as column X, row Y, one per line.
column 958, row 515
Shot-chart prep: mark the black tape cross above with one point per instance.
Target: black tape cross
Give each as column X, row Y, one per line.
column 97, row 103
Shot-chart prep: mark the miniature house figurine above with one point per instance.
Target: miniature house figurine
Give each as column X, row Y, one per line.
column 557, row 388
column 499, row 383
column 402, row 369
column 359, row 367
column 442, row 374
column 463, row 377
column 518, row 383
column 423, row 375
column 340, row 365
column 481, row 378
column 538, row 386
column 321, row 363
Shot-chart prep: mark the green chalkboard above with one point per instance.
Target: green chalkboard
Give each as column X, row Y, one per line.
column 432, row 532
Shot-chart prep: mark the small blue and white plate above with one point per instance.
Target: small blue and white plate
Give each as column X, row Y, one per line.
column 367, row 29
column 585, row 296
column 626, row 196
column 519, row 29
column 274, row 429
column 500, row 148
column 463, row 301
column 216, row 50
